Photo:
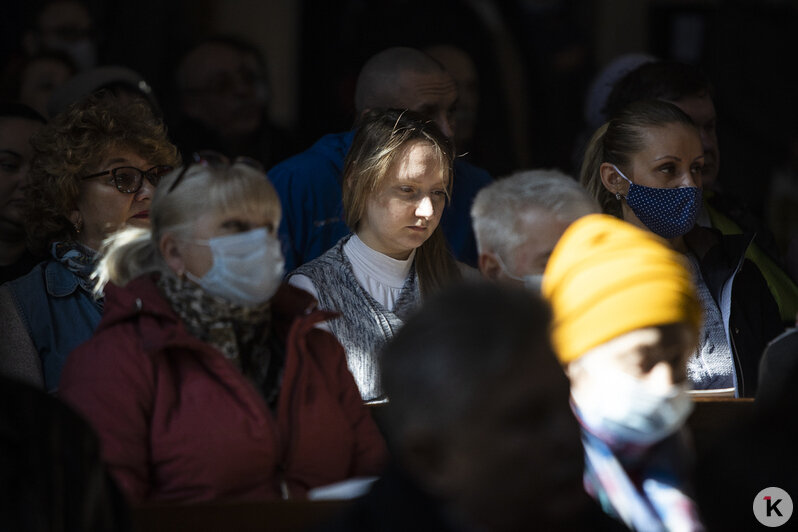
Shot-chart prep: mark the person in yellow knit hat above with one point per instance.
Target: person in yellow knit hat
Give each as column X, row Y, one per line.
column 626, row 317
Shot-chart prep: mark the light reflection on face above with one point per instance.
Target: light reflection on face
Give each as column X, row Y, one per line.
column 656, row 356
column 407, row 205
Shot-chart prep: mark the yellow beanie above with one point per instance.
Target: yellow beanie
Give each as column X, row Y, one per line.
column 606, row 278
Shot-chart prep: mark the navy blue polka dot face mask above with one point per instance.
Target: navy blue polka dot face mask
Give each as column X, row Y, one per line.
column 668, row 212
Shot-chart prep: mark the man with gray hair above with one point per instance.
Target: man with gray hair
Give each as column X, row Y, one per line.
column 309, row 184
column 519, row 219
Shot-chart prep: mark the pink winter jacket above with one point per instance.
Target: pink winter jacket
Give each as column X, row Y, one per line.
column 178, row 422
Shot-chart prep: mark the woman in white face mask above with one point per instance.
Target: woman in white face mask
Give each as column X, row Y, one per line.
column 625, row 319
column 206, row 378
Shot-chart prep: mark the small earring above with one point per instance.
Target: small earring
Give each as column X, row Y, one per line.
column 618, row 196
column 77, row 225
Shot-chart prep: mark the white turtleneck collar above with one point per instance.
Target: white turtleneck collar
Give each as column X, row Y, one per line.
column 371, row 264
column 382, row 276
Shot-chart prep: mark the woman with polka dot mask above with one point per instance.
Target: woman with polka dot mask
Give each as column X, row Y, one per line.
column 644, row 166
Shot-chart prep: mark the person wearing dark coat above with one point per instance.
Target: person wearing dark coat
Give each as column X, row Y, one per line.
column 478, row 421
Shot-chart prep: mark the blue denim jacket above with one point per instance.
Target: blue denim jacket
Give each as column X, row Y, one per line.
column 58, row 313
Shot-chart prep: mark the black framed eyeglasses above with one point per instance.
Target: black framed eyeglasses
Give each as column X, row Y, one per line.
column 128, row 179
column 214, row 159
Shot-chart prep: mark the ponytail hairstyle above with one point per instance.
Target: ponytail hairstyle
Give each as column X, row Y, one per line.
column 135, row 251
column 381, row 138
column 619, row 139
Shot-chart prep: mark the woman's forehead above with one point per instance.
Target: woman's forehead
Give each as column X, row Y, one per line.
column 417, row 160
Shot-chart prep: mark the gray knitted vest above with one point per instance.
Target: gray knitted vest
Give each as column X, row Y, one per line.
column 364, row 324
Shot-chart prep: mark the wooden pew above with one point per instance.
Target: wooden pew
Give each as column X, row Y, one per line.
column 289, row 516
column 711, row 417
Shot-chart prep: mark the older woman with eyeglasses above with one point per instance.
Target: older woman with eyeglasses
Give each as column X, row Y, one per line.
column 94, row 170
column 206, row 378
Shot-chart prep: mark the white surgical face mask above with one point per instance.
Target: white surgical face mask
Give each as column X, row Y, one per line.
column 628, row 412
column 247, row 267
column 531, row 282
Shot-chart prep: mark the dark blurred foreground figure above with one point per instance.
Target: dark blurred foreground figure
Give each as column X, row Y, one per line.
column 478, row 423
column 52, row 477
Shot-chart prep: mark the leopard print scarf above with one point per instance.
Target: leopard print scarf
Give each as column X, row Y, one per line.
column 242, row 334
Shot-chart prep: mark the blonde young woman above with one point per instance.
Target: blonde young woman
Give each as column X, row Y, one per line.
column 396, row 181
column 207, row 379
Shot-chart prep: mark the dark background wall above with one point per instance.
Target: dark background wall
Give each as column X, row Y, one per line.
column 535, row 59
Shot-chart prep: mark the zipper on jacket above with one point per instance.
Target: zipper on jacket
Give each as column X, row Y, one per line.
column 737, row 361
column 293, row 409
column 739, row 368
column 728, row 321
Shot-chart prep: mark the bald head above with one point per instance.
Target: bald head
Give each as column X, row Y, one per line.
column 406, row 78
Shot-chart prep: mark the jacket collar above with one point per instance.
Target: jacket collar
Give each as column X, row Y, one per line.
column 59, row 281
column 141, row 296
column 720, row 256
column 705, row 240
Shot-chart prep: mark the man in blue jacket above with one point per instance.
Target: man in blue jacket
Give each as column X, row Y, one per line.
column 309, row 184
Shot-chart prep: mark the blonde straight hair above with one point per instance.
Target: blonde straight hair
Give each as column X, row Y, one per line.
column 381, row 137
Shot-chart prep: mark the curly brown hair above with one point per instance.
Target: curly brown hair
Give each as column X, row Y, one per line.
column 73, row 145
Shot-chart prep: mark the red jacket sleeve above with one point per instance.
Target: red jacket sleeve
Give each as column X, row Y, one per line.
column 109, row 380
column 370, row 453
